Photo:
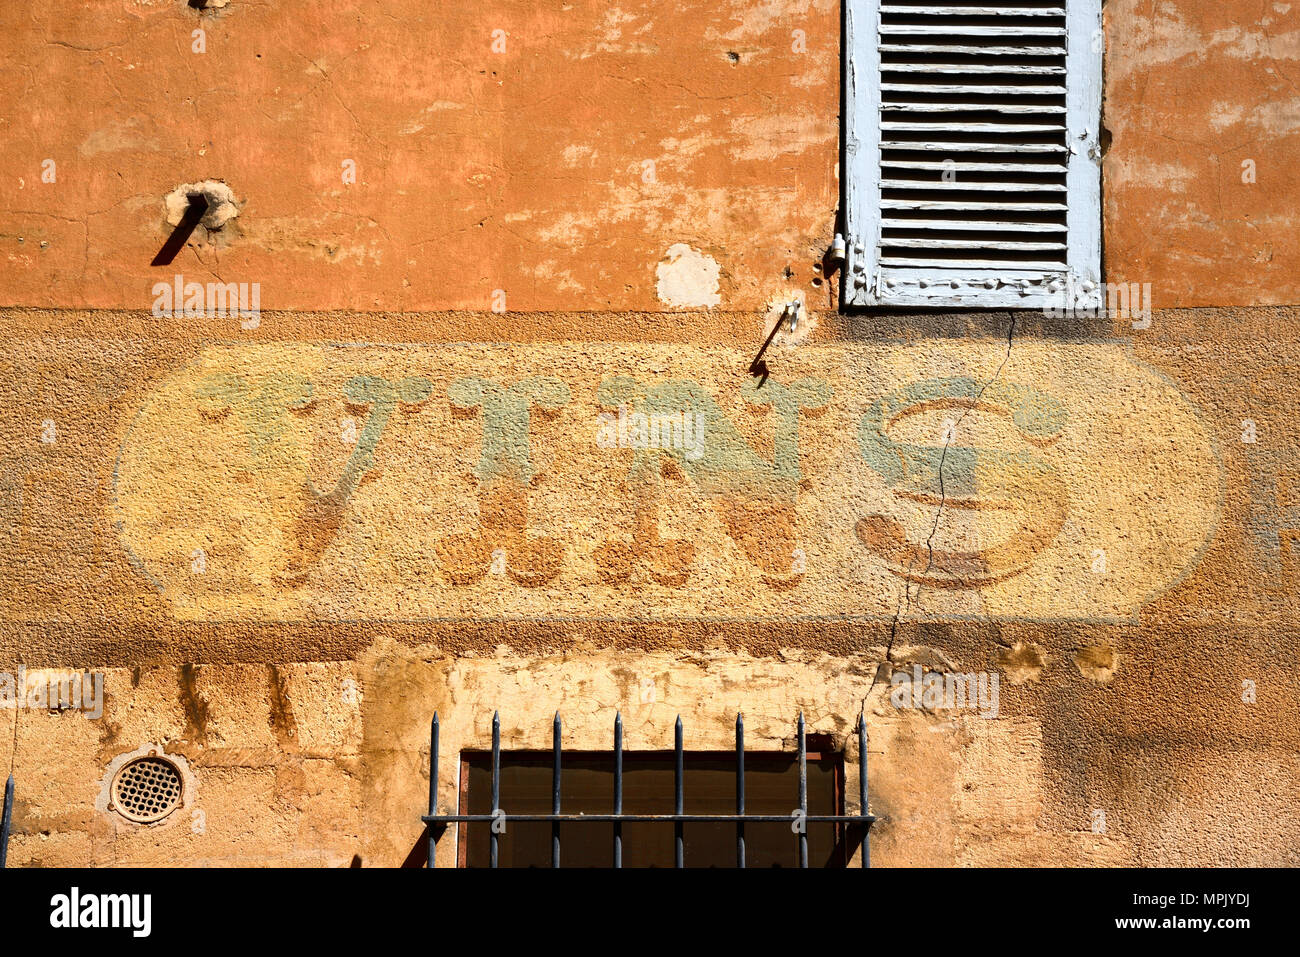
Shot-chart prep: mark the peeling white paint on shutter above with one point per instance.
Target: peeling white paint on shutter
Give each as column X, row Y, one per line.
column 972, row 152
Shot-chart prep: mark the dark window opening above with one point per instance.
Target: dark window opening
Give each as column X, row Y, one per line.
column 709, row 786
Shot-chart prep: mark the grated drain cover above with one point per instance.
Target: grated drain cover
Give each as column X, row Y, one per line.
column 147, row 789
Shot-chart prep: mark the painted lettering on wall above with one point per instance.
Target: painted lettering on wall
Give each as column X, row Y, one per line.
column 660, row 482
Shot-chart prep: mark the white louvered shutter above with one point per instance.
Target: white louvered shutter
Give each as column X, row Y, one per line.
column 972, row 153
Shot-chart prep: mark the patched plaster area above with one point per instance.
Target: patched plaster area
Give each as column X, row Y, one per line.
column 688, row 278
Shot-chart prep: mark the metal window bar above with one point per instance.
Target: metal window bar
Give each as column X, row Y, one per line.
column 438, row 823
column 555, row 793
column 740, row 790
column 496, row 780
column 679, row 847
column 803, row 795
column 6, row 819
column 618, row 789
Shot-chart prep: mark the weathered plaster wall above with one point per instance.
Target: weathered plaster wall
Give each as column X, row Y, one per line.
column 561, row 167
column 315, row 764
column 297, row 766
column 296, row 673
column 1202, row 108
column 566, row 163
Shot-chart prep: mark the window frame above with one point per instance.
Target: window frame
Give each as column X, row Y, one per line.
column 1078, row 286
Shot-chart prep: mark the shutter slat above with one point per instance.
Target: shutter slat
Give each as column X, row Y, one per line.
column 945, row 146
column 975, row 11
column 999, row 88
column 930, row 243
column 962, row 166
column 962, row 127
column 1021, row 108
column 957, row 204
column 922, row 262
column 973, row 187
column 1034, row 69
column 959, row 225
column 948, row 30
column 982, row 51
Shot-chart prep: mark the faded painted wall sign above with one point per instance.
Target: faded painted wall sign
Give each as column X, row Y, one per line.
column 659, row 482
column 962, row 478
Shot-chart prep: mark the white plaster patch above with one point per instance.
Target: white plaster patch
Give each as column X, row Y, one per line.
column 573, row 155
column 567, row 228
column 688, row 278
column 562, row 279
column 676, row 149
column 776, row 312
column 1165, row 38
column 1277, row 118
column 754, row 19
column 1152, row 175
column 125, row 135
column 222, row 204
column 612, row 39
column 770, row 135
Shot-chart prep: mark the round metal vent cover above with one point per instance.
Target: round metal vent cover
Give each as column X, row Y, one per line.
column 147, row 789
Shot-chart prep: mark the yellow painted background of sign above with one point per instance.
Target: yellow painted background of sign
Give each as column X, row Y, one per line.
column 239, row 492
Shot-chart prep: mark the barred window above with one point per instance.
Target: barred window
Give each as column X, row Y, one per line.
column 771, row 786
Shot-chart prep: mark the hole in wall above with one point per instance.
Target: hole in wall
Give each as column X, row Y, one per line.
column 209, row 7
column 222, row 208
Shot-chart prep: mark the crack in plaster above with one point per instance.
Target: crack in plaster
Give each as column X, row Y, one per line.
column 909, row 598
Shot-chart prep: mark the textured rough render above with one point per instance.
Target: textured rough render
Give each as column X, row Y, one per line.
column 449, row 406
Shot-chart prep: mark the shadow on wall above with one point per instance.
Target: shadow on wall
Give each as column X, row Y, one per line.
column 939, row 324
